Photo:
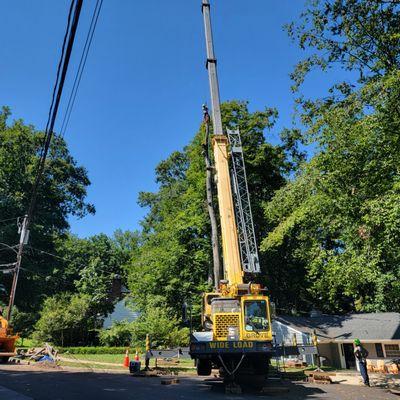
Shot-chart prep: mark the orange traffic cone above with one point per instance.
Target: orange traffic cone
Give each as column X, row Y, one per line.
column 137, row 356
column 126, row 359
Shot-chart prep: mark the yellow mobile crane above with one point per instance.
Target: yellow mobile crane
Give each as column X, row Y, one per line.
column 7, row 340
column 237, row 336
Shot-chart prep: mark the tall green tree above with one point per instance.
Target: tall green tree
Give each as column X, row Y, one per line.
column 359, row 35
column 333, row 228
column 172, row 261
column 92, row 266
column 61, row 194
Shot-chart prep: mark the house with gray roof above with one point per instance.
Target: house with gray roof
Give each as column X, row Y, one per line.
column 378, row 332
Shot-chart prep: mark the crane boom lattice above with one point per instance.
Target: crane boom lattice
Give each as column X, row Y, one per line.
column 244, row 218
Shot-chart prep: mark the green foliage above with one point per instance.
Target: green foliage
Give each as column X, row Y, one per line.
column 172, row 261
column 333, row 229
column 55, row 261
column 62, row 193
column 163, row 329
column 64, row 320
column 22, row 323
column 92, row 350
column 360, row 35
column 91, row 264
column 156, row 322
column 119, row 334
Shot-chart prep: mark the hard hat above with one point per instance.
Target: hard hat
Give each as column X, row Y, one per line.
column 357, row 342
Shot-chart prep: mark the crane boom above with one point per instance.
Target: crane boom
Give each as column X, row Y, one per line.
column 236, row 318
column 212, row 70
column 230, row 248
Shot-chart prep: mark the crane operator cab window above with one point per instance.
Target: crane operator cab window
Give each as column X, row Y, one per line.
column 255, row 315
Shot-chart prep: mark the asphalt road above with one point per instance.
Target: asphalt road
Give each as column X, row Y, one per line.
column 27, row 383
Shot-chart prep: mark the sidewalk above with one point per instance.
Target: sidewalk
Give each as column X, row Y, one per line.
column 354, row 378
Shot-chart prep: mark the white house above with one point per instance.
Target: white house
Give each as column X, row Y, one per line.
column 121, row 313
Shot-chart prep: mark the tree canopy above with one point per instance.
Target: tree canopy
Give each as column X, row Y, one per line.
column 333, row 228
column 61, row 193
column 328, row 222
column 173, row 259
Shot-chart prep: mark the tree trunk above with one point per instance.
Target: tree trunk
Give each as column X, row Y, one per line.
column 211, row 211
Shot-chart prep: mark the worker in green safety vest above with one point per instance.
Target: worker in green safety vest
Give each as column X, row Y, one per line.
column 361, row 354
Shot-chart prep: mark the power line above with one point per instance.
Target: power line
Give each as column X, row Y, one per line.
column 57, row 278
column 60, row 258
column 53, row 97
column 3, row 227
column 62, row 69
column 8, row 265
column 57, row 92
column 8, row 247
column 81, row 67
column 51, row 254
column 9, row 219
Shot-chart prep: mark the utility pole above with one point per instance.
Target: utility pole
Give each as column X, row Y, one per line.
column 57, row 92
column 23, row 239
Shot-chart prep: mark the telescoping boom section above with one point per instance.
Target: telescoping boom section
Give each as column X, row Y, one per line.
column 237, row 335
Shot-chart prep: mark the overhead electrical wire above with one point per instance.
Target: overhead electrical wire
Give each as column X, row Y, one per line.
column 81, row 67
column 51, row 254
column 62, row 69
column 7, row 225
column 8, row 265
column 67, row 260
column 68, row 42
column 47, row 277
column 8, row 247
column 53, row 97
column 9, row 219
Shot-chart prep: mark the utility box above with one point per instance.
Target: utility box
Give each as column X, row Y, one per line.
column 134, row 367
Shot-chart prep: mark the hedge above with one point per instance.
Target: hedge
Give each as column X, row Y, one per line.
column 92, row 350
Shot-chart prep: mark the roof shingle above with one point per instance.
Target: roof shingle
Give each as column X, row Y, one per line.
column 369, row 326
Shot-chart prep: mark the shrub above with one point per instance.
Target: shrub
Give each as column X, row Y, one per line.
column 64, row 319
column 92, row 350
column 163, row 329
column 119, row 334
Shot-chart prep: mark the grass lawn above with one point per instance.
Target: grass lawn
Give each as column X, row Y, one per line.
column 116, row 359
column 109, row 358
column 23, row 342
column 77, row 364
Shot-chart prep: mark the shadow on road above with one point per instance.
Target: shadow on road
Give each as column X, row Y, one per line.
column 71, row 385
column 279, row 390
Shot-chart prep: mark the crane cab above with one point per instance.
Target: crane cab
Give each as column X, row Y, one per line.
column 243, row 318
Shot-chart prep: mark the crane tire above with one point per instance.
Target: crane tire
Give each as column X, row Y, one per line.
column 203, row 367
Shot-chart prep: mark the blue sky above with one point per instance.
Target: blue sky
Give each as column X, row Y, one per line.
column 145, row 81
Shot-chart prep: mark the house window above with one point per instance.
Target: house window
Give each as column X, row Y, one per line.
column 379, row 350
column 392, row 350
